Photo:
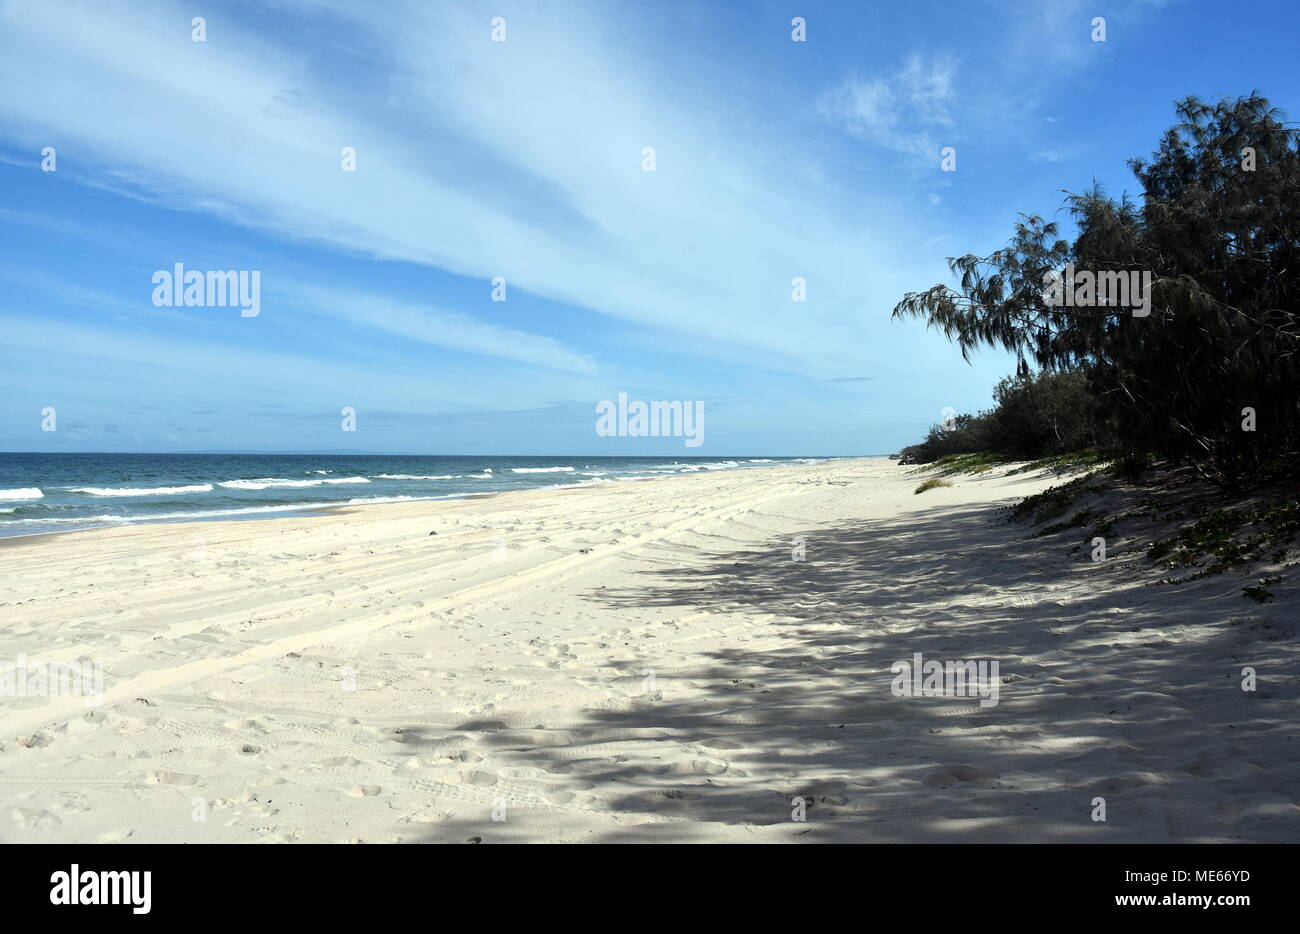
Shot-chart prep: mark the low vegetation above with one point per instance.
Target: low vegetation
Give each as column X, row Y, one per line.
column 1052, row 502
column 1228, row 538
column 1180, row 526
column 1063, row 464
column 1036, row 416
column 1202, row 368
column 1191, row 365
column 977, row 462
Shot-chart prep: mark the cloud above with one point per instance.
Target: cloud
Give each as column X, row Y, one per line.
column 519, row 159
column 1058, row 154
column 198, row 369
column 901, row 112
column 435, row 326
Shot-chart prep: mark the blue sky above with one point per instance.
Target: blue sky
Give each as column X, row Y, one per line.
column 523, row 159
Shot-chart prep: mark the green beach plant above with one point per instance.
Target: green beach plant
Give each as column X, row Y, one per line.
column 931, row 484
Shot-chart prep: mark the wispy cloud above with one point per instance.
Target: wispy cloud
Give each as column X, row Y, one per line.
column 1059, row 154
column 902, row 112
column 430, row 325
column 519, row 159
column 522, row 160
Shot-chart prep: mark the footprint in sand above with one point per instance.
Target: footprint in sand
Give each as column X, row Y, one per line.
column 172, row 778
column 37, row 740
column 955, row 774
column 697, row 767
column 1127, row 782
column 90, row 721
column 720, row 744
column 363, row 791
column 426, row 817
column 35, row 819
column 476, row 777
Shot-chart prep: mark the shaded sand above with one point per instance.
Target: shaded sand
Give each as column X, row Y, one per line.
column 640, row 662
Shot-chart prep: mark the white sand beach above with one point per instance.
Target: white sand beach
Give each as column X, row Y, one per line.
column 640, row 662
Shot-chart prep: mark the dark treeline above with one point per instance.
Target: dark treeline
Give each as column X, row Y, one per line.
column 1035, row 415
column 1192, row 356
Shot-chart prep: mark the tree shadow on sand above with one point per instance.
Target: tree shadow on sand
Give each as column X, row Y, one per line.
column 1110, row 688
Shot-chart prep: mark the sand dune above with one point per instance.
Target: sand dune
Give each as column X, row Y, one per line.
column 639, row 662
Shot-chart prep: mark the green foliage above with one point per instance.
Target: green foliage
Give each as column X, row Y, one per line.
column 1050, row 503
column 966, row 434
column 1062, row 464
column 977, row 462
column 1222, row 247
column 931, row 484
column 1260, row 592
column 1046, row 414
column 1223, row 539
column 1036, row 415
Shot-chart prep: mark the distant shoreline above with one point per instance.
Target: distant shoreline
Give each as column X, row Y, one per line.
column 151, row 497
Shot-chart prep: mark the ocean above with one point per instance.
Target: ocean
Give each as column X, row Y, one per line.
column 65, row 492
